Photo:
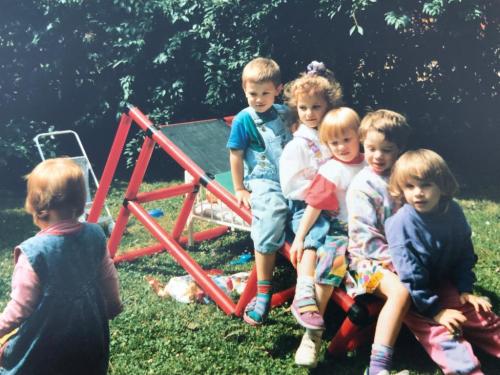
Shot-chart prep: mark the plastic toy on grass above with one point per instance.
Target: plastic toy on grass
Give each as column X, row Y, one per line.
column 242, row 259
column 70, row 144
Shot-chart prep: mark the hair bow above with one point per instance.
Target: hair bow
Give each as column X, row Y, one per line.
column 316, row 67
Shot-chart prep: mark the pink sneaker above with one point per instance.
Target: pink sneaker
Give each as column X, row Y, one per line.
column 311, row 318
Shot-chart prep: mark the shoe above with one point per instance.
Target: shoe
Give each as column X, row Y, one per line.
column 309, row 319
column 248, row 319
column 308, row 351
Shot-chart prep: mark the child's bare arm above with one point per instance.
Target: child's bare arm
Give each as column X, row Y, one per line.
column 310, row 216
column 110, row 287
column 236, row 162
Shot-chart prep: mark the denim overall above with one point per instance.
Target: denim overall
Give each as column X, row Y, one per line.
column 269, row 206
column 68, row 331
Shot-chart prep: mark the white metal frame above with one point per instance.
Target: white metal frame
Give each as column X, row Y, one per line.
column 84, row 162
column 212, row 211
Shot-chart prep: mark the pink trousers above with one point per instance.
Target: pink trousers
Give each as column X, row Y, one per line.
column 454, row 355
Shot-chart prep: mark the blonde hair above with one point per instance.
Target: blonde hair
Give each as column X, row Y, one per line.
column 424, row 165
column 323, row 84
column 56, row 184
column 260, row 70
column 336, row 122
column 391, row 124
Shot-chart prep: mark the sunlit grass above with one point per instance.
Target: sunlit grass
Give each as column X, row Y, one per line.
column 162, row 336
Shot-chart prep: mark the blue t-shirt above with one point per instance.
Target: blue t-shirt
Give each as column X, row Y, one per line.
column 240, row 138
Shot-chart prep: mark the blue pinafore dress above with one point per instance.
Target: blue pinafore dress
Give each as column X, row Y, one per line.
column 68, row 332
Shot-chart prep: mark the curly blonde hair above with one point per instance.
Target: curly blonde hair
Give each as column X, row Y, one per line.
column 322, row 83
column 56, row 184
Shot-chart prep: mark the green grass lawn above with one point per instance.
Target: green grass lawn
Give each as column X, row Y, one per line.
column 162, row 336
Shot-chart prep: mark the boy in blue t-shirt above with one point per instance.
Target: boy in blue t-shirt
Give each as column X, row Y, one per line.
column 258, row 135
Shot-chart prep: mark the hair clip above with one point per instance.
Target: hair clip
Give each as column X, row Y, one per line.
column 316, row 67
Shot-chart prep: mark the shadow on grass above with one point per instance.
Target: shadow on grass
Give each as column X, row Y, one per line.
column 16, row 227
column 284, row 344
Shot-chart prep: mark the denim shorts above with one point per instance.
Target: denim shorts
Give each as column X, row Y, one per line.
column 269, row 215
column 317, row 234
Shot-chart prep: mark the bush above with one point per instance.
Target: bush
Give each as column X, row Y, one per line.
column 76, row 64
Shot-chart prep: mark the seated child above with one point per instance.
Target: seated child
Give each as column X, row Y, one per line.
column 384, row 134
column 64, row 285
column 339, row 132
column 258, row 135
column 431, row 248
column 310, row 96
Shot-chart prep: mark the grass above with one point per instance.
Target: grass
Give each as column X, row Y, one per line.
column 162, row 336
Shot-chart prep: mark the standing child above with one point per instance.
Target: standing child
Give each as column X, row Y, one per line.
column 384, row 134
column 431, row 248
column 64, row 285
column 326, row 195
column 310, row 96
column 258, row 135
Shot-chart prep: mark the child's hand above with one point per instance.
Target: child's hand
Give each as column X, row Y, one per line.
column 479, row 303
column 451, row 319
column 296, row 251
column 243, row 198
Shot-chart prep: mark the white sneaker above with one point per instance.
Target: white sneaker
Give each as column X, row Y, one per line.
column 308, row 351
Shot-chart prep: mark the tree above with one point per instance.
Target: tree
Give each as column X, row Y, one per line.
column 76, row 64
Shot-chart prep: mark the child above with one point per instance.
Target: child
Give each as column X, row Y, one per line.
column 64, row 285
column 431, row 248
column 384, row 134
column 310, row 96
column 258, row 135
column 339, row 131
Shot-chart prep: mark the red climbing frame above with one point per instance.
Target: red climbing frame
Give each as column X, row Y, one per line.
column 353, row 330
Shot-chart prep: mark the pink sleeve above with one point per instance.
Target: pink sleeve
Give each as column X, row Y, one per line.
column 24, row 296
column 110, row 287
column 322, row 194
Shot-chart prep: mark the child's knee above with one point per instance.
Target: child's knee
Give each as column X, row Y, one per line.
column 401, row 296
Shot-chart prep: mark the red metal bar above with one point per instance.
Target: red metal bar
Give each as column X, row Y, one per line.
column 280, row 298
column 132, row 189
column 164, row 193
column 134, row 254
column 119, row 228
column 158, row 248
column 248, row 293
column 109, row 168
column 183, row 258
column 140, row 169
column 183, row 216
column 341, row 298
column 207, row 234
column 187, row 164
column 345, row 333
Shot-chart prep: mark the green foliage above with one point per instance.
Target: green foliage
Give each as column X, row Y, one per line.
column 77, row 64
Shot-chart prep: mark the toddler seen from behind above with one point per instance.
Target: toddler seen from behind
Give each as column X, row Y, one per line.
column 64, row 285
